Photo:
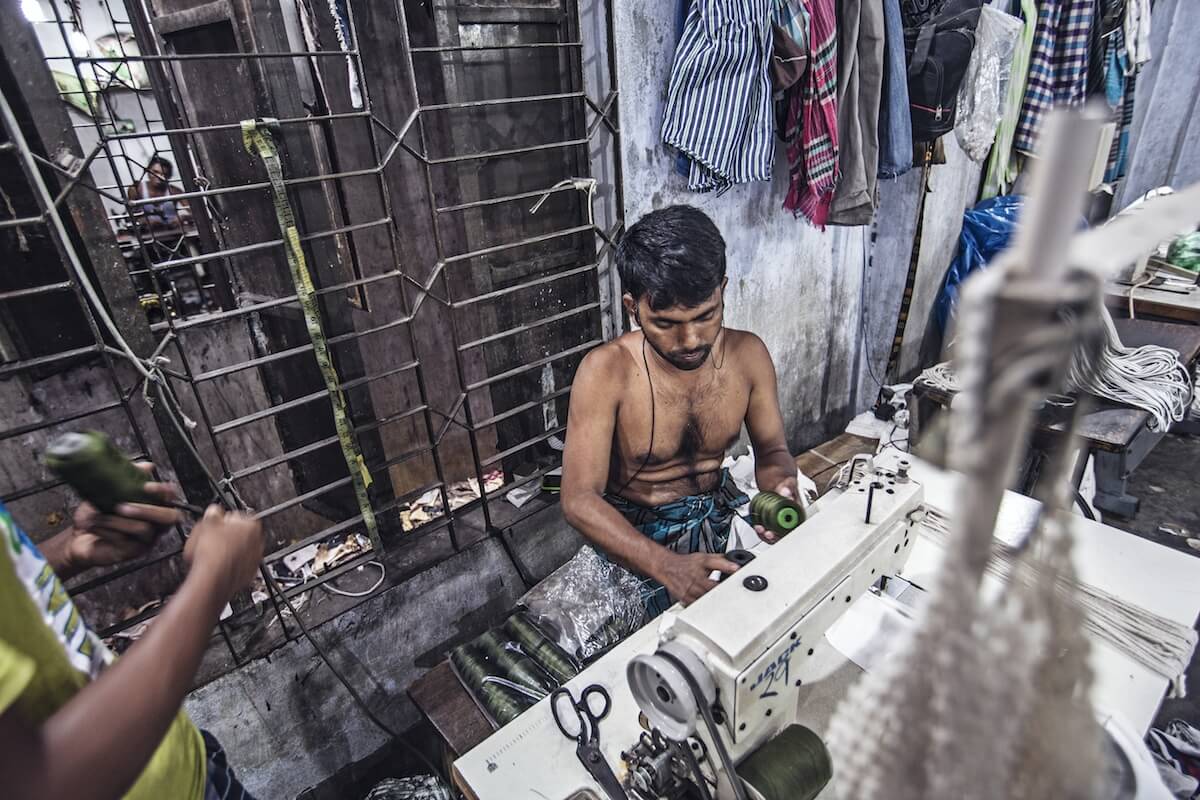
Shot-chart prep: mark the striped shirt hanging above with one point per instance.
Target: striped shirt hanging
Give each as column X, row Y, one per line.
column 811, row 132
column 1058, row 65
column 719, row 110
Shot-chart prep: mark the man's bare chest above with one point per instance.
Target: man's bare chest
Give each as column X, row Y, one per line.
column 691, row 422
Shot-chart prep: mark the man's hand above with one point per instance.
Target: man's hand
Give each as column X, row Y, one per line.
column 96, row 539
column 788, row 488
column 686, row 576
column 225, row 545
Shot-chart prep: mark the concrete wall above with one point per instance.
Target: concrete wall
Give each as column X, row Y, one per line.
column 1164, row 147
column 800, row 289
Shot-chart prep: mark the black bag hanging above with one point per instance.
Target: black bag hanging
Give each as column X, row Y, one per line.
column 939, row 36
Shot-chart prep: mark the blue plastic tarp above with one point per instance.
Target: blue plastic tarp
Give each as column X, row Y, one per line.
column 986, row 231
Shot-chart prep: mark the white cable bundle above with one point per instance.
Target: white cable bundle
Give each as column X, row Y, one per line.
column 940, row 376
column 1149, row 377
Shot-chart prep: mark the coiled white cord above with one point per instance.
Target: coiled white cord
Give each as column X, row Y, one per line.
column 1149, row 377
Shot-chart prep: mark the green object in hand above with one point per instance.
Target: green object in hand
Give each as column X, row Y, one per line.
column 97, row 469
column 776, row 513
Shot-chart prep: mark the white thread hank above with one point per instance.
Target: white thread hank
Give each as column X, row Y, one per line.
column 1156, row 642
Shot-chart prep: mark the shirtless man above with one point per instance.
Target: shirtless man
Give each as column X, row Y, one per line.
column 654, row 412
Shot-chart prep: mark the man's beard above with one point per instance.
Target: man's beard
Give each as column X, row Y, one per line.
column 683, row 360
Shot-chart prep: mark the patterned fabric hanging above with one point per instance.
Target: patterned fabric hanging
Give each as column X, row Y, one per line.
column 719, row 110
column 811, row 131
column 1058, row 65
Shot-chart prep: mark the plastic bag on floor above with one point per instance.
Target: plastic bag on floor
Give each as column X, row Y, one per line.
column 985, row 86
column 587, row 605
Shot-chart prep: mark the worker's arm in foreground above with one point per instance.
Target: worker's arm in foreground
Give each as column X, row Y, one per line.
column 590, row 427
column 97, row 744
column 774, row 467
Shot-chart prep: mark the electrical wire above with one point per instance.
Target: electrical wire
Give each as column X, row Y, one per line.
column 329, row 587
column 273, row 587
column 1149, row 280
column 863, row 318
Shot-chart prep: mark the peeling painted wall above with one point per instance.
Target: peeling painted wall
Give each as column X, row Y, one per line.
column 802, row 290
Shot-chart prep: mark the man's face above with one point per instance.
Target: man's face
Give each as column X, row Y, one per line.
column 157, row 176
column 683, row 336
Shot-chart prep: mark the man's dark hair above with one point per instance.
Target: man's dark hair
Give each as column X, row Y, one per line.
column 167, row 167
column 674, row 256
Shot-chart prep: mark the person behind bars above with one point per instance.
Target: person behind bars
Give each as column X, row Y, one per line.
column 653, row 413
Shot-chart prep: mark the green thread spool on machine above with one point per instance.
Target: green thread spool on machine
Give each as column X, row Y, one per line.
column 795, row 765
column 776, row 513
column 97, row 469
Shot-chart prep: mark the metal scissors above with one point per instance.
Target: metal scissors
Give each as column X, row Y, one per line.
column 585, row 730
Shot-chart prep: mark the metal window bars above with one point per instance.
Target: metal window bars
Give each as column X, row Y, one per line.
column 440, row 341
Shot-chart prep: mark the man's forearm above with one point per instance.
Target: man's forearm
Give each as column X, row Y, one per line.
column 773, row 468
column 605, row 527
column 137, row 698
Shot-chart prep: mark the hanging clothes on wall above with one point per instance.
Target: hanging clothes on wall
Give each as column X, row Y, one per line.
column 1109, row 16
column 719, row 98
column 1137, row 32
column 1121, row 18
column 1058, row 65
column 812, row 131
column 895, row 123
column 683, row 164
column 985, row 88
column 1120, row 89
column 861, row 34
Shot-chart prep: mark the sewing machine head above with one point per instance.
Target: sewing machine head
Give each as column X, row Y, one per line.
column 730, row 669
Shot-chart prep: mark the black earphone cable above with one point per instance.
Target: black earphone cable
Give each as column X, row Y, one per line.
column 650, row 447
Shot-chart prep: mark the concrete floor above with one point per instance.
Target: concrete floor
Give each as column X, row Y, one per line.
column 1166, row 482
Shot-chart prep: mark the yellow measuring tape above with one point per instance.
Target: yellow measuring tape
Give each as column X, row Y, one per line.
column 258, row 140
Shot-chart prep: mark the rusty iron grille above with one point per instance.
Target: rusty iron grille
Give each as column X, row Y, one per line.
column 454, row 174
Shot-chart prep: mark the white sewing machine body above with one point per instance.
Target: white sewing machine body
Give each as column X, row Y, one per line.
column 754, row 636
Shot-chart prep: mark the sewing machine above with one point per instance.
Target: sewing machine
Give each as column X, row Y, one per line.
column 702, row 688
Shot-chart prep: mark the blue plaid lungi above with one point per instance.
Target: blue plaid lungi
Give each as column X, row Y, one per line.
column 220, row 782
column 698, row 523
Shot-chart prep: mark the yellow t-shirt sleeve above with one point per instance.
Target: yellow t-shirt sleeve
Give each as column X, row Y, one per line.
column 16, row 671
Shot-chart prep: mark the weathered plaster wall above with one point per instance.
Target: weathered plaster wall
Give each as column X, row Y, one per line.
column 798, row 288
